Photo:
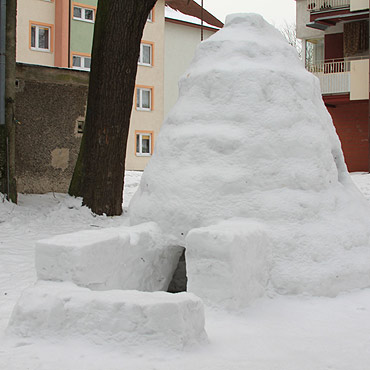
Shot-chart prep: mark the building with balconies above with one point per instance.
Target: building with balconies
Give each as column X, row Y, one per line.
column 58, row 35
column 335, row 41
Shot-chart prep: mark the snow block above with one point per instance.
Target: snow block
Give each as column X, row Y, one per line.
column 136, row 257
column 227, row 263
column 131, row 318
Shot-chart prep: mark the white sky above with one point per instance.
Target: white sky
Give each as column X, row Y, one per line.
column 274, row 11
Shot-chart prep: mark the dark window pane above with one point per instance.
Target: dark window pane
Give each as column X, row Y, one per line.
column 33, row 37
column 76, row 61
column 77, row 12
column 138, row 98
column 87, row 63
column 89, row 14
column 137, row 143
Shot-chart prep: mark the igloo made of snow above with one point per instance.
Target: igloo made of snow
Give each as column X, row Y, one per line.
column 250, row 138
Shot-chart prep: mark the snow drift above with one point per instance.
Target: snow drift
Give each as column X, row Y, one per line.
column 251, row 138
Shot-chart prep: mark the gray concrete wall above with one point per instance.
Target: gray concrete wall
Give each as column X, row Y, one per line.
column 49, row 103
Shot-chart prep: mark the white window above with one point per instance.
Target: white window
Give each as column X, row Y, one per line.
column 143, row 144
column 81, row 62
column 83, row 14
column 143, row 99
column 145, row 58
column 40, row 37
column 150, row 16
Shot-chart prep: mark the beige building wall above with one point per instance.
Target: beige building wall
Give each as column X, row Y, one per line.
column 359, row 5
column 181, row 42
column 149, row 77
column 359, row 80
column 302, row 18
column 37, row 12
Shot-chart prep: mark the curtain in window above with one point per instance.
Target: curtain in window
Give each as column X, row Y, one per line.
column 43, row 38
column 146, row 54
column 145, row 144
column 146, row 99
column 355, row 38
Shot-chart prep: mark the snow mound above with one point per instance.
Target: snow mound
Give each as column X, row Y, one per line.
column 250, row 137
column 227, row 262
column 138, row 257
column 131, row 318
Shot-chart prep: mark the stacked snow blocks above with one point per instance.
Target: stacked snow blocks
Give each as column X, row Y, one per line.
column 227, row 263
column 116, row 258
column 129, row 318
column 105, row 286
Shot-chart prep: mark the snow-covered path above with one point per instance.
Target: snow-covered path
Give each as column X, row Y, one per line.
column 279, row 333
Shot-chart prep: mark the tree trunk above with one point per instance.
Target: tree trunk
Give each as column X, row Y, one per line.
column 7, row 131
column 100, row 168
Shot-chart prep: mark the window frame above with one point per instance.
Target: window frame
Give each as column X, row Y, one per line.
column 37, row 26
column 138, row 91
column 151, row 46
column 83, row 8
column 83, row 57
column 142, row 133
column 150, row 18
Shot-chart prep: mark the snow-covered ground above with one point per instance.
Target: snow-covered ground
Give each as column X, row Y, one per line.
column 274, row 333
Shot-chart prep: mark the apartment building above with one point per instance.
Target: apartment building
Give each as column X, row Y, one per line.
column 335, row 37
column 59, row 33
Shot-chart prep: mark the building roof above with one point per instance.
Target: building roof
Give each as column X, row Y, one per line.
column 192, row 9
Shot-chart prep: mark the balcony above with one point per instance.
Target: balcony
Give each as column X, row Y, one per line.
column 323, row 5
column 334, row 76
column 343, row 77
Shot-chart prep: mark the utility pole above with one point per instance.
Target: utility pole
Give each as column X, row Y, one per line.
column 368, row 114
column 8, row 11
column 201, row 23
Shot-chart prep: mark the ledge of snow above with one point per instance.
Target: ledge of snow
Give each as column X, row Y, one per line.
column 177, row 15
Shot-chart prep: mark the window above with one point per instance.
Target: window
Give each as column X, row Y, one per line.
column 81, row 62
column 150, row 16
column 80, row 126
column 143, row 98
column 143, row 143
column 145, row 57
column 83, row 14
column 40, row 37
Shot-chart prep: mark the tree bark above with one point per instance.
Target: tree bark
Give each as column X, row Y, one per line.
column 99, row 173
column 7, row 131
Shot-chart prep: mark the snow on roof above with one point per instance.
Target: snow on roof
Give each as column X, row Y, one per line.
column 171, row 13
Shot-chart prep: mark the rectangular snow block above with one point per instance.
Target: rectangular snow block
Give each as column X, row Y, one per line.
column 227, row 263
column 137, row 257
column 129, row 318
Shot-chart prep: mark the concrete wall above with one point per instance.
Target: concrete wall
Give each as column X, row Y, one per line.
column 359, row 79
column 302, row 18
column 181, row 42
column 359, row 5
column 49, row 101
column 151, row 77
column 34, row 11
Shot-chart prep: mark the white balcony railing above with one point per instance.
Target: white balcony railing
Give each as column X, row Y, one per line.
column 318, row 5
column 334, row 76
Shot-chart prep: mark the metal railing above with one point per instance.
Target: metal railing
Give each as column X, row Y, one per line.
column 334, row 76
column 335, row 66
column 320, row 5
